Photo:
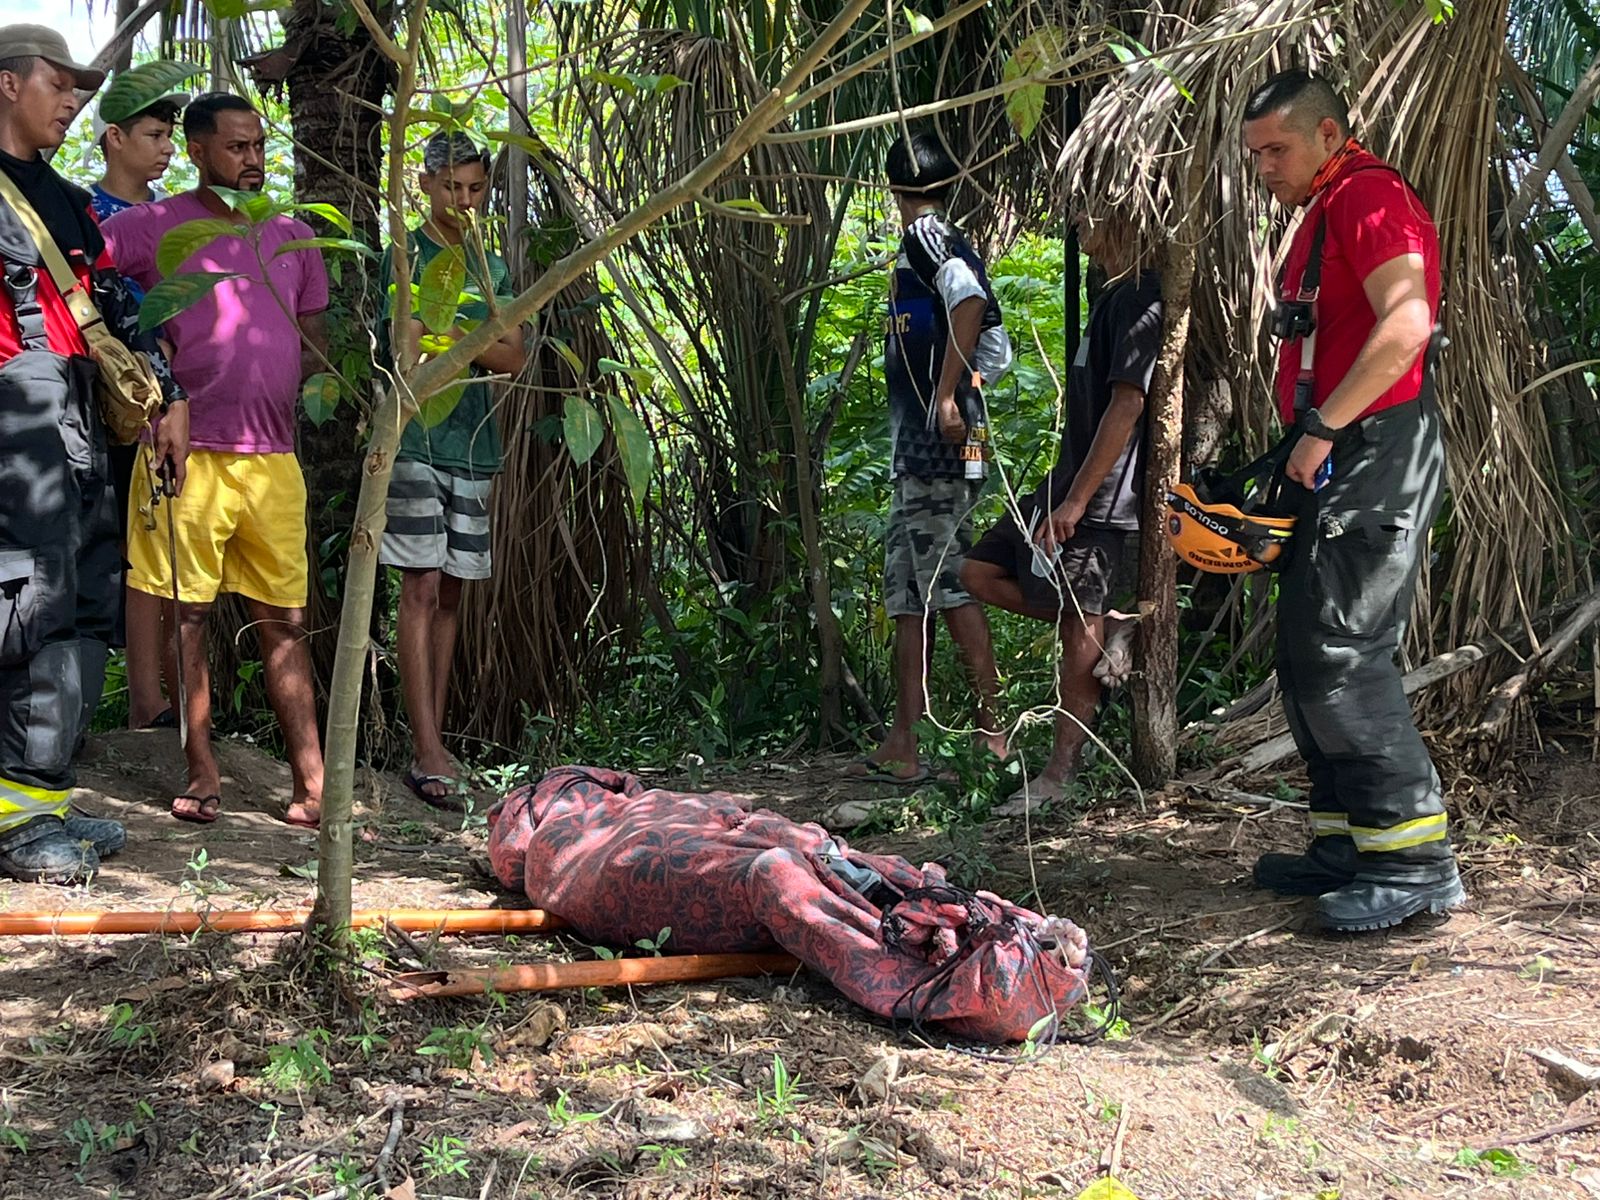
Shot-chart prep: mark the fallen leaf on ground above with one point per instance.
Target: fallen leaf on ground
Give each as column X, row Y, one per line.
column 541, row 1024
column 404, row 1190
column 510, row 1134
column 877, row 1081
column 148, row 991
column 623, row 1039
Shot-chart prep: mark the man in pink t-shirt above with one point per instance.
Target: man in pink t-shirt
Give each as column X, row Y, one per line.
column 242, row 352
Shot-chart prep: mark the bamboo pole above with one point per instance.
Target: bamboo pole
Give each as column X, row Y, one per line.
column 178, row 924
column 399, row 403
column 616, row 972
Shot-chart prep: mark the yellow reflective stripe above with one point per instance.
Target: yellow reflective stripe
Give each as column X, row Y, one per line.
column 1330, row 822
column 1402, row 836
column 21, row 802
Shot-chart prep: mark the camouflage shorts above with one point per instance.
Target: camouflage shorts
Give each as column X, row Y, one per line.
column 930, row 532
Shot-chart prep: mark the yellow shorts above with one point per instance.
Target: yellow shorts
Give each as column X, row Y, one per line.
column 241, row 526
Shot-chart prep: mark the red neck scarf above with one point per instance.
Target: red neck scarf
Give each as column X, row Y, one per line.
column 1330, row 169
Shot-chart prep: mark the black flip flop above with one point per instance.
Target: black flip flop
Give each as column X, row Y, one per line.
column 449, row 802
column 210, row 806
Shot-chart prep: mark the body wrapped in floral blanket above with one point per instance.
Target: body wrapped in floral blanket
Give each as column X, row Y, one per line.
column 620, row 861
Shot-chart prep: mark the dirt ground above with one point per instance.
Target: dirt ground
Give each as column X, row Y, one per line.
column 1261, row 1060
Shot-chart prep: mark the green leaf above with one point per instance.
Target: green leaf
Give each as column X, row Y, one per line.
column 536, row 149
column 180, row 242
column 320, row 395
column 442, row 280
column 634, row 447
column 324, row 243
column 617, row 79
column 570, row 355
column 1040, row 55
column 419, row 116
column 330, row 214
column 440, row 405
column 658, row 85
column 1025, row 109
column 254, row 207
column 138, row 88
column 643, row 376
column 582, row 428
column 171, row 296
column 232, row 10
column 746, row 204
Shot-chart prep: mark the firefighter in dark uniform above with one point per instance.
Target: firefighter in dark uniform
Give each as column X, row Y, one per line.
column 1357, row 320
column 60, row 564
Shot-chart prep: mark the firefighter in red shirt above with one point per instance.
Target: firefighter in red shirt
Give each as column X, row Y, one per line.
column 60, row 567
column 1357, row 323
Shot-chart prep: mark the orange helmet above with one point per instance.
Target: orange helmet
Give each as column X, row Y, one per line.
column 1231, row 525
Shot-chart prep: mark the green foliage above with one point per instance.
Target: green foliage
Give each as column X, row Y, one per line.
column 668, row 1158
column 582, row 429
column 1039, row 56
column 784, row 1098
column 137, row 88
column 653, row 945
column 440, row 288
column 89, row 1139
column 173, row 296
column 444, row 1156
column 126, row 1031
column 179, row 243
column 298, row 1065
column 320, row 396
column 561, row 1113
column 633, row 447
column 1503, row 1163
column 459, row 1046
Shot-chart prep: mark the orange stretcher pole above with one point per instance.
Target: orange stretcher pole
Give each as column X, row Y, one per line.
column 549, row 977
column 412, row 920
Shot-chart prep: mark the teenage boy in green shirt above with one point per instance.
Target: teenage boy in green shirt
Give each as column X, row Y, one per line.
column 438, row 505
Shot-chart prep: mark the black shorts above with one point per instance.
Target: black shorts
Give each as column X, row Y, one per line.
column 1098, row 569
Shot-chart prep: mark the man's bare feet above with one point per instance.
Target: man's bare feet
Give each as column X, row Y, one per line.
column 201, row 798
column 1116, row 657
column 305, row 812
column 890, row 760
column 1037, row 792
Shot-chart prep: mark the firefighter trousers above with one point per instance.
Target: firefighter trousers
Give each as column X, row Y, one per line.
column 1343, row 601
column 60, row 575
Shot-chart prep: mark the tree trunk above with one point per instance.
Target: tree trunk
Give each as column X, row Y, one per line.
column 830, row 641
column 124, row 58
column 337, row 87
column 1155, row 724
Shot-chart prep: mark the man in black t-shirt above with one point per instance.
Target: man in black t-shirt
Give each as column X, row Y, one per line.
column 943, row 342
column 1075, row 551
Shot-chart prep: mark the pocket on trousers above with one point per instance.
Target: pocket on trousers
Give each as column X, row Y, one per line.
column 19, row 607
column 1360, row 573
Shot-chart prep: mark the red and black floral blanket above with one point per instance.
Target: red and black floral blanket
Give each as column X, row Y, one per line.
column 620, row 861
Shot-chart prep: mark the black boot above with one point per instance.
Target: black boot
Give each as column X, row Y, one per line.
column 1379, row 904
column 1326, row 866
column 42, row 851
column 106, row 836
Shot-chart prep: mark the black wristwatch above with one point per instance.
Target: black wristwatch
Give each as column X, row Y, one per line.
column 1312, row 425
